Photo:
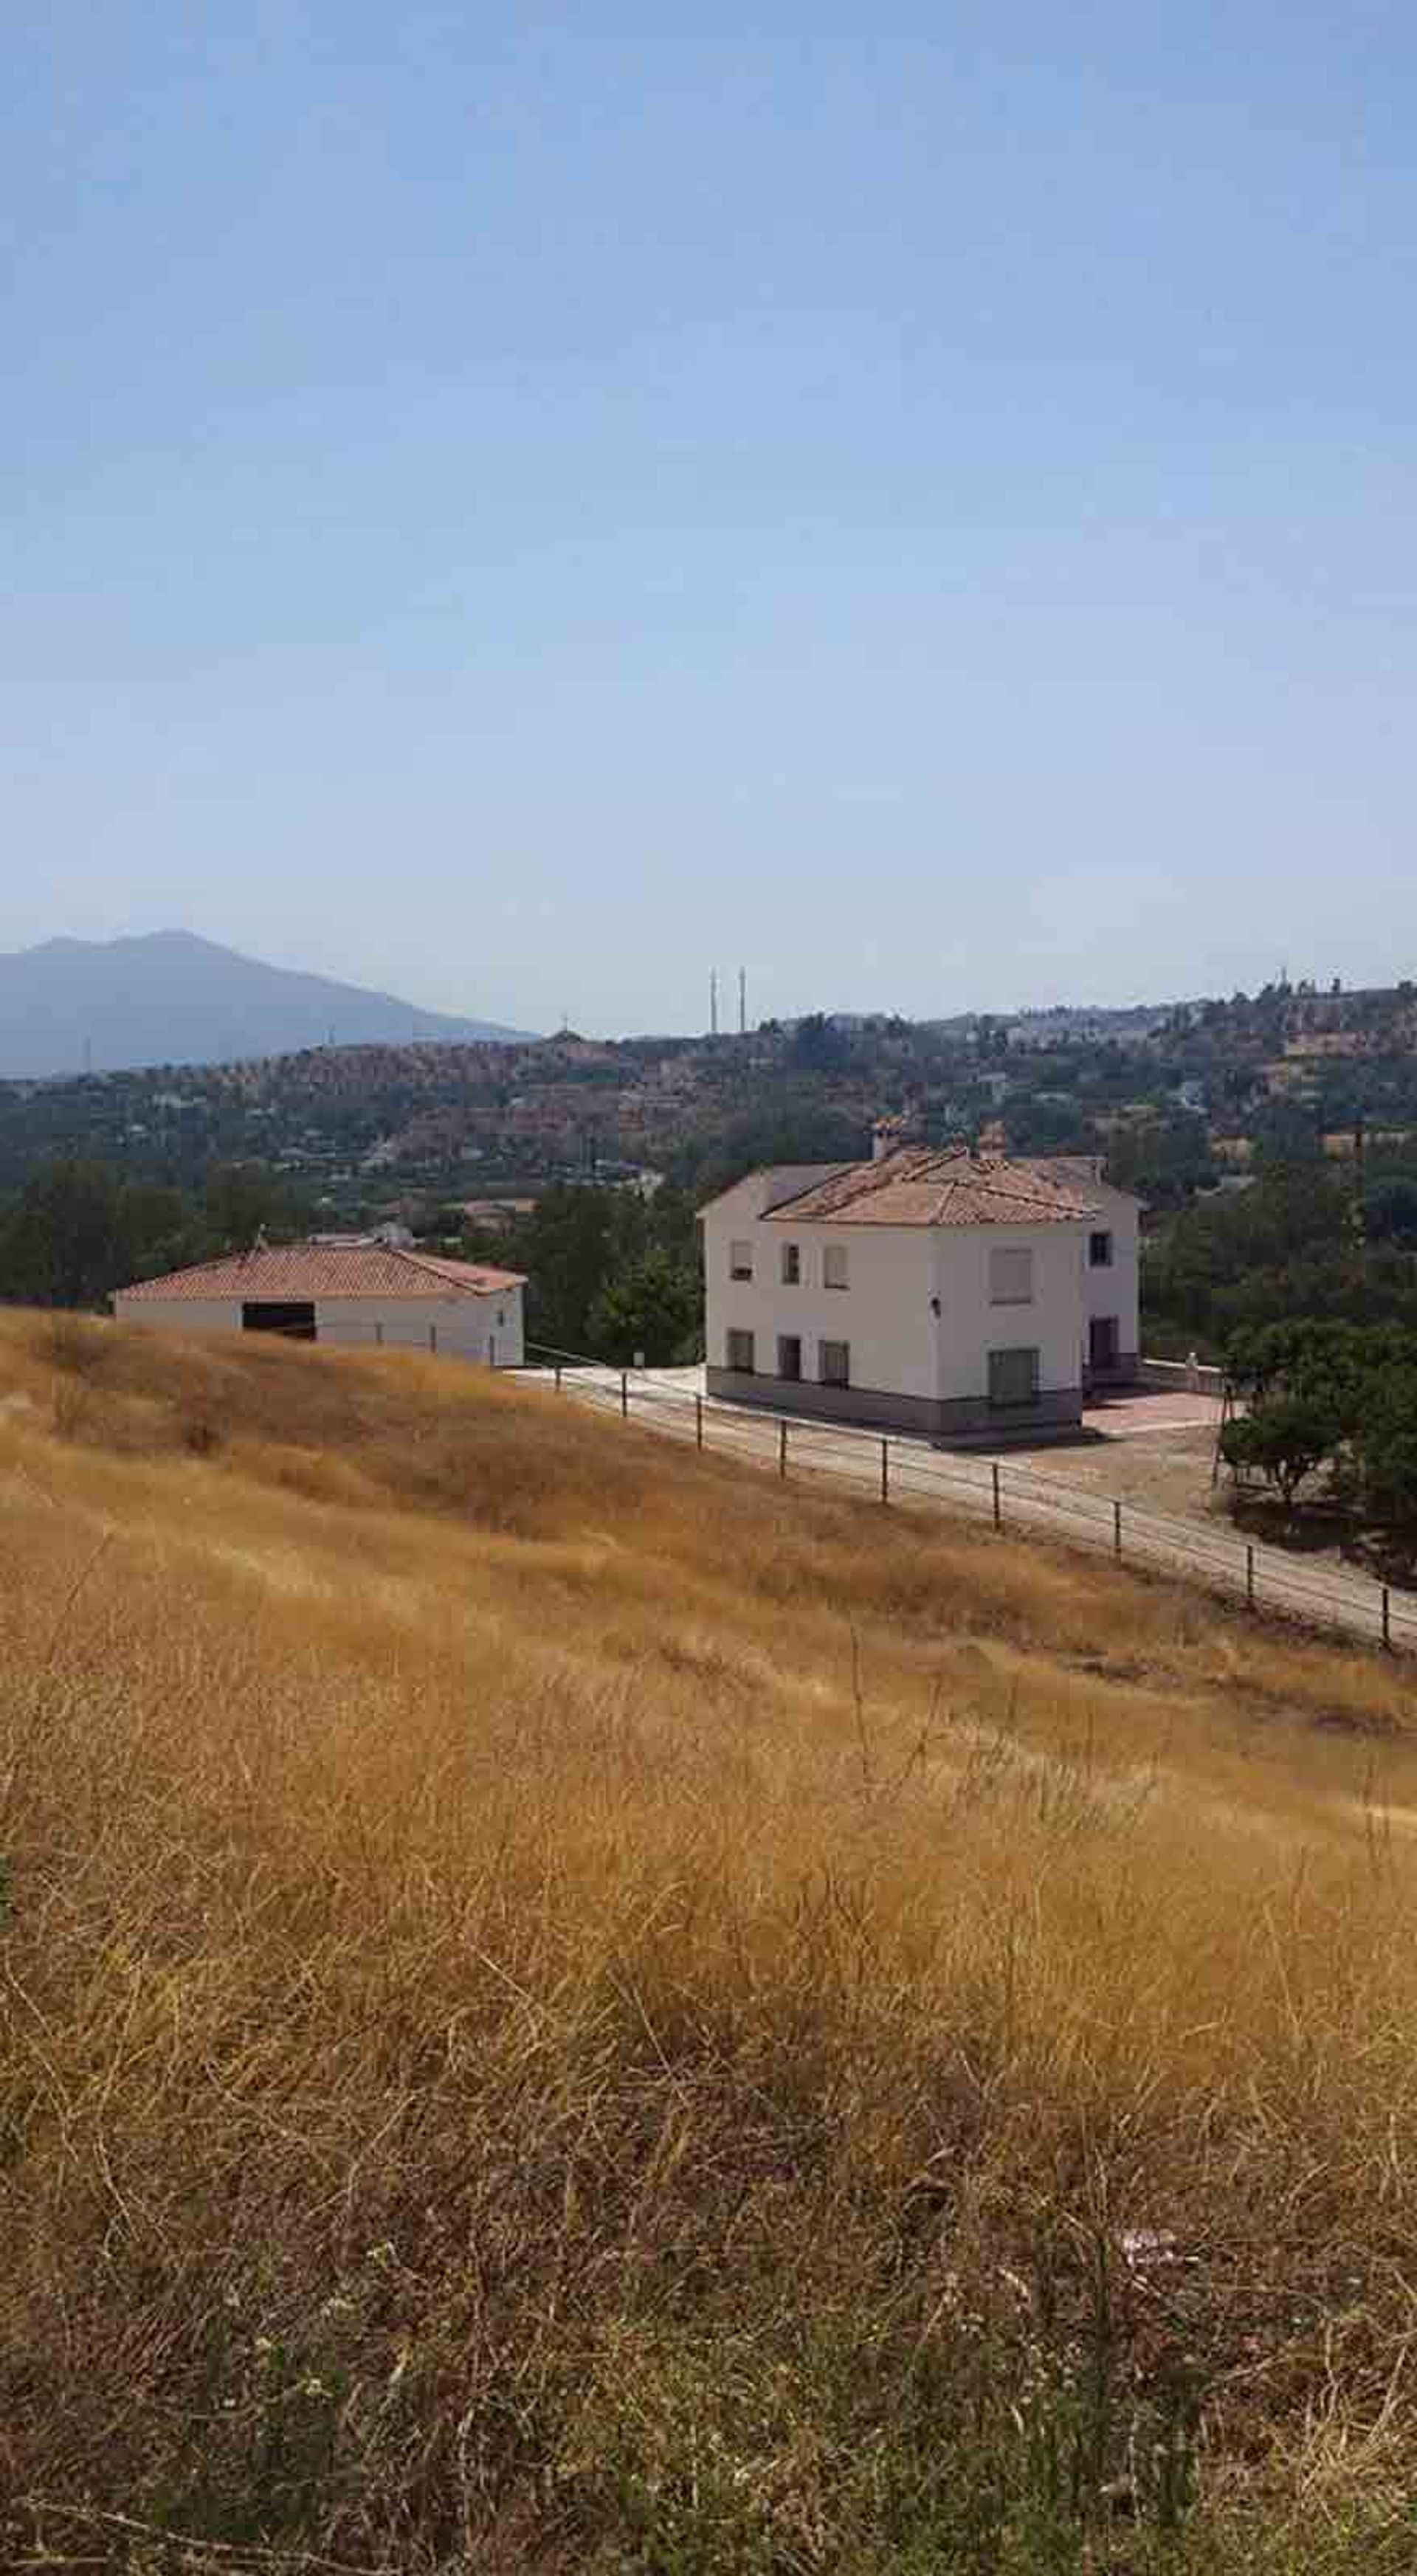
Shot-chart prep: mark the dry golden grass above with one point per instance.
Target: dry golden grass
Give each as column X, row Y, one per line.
column 563, row 2008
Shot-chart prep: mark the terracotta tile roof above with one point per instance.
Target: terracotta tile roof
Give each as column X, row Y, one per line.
column 1079, row 1173
column 930, row 1185
column 297, row 1272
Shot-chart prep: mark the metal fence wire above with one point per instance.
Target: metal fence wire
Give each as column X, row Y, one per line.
column 1027, row 1501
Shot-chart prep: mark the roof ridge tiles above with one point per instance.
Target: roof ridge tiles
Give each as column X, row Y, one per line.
column 936, row 1185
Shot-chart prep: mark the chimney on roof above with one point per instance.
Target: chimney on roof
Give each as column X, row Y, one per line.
column 885, row 1136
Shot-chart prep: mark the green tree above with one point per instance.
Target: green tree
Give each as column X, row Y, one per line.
column 63, row 1244
column 649, row 1305
column 1285, row 1438
column 1385, row 1446
column 574, row 1238
column 818, row 1045
column 1390, row 1211
column 242, row 1200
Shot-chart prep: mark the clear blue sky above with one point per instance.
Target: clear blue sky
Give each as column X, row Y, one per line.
column 518, row 505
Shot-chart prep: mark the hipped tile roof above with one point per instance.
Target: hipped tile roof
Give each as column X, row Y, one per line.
column 930, row 1185
column 299, row 1272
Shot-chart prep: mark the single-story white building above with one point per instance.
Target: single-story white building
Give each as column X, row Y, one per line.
column 362, row 1294
column 945, row 1291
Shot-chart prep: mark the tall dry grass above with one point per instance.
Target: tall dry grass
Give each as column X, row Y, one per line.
column 565, row 2009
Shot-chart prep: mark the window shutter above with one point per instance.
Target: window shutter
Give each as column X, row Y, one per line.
column 1010, row 1276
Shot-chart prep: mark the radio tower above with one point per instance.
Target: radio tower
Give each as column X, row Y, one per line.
column 713, row 1001
column 742, row 1001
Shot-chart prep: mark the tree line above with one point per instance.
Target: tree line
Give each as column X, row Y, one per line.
column 77, row 1231
column 1303, row 1241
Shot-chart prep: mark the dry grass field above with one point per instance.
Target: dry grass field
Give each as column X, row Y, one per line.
column 564, row 2010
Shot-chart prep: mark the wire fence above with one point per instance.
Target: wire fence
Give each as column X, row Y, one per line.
column 1023, row 1500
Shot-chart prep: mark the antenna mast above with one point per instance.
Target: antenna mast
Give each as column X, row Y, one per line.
column 742, row 1001
column 713, row 1001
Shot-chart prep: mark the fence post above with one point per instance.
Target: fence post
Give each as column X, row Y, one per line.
column 698, row 1422
column 1387, row 1618
column 1249, row 1578
column 378, row 1336
column 998, row 1499
column 624, row 1395
column 432, row 1337
column 558, row 1377
column 1117, row 1532
column 782, row 1448
column 885, row 1471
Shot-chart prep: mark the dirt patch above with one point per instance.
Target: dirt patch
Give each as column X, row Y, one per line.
column 1161, row 1471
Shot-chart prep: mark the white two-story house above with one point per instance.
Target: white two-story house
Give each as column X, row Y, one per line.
column 959, row 1294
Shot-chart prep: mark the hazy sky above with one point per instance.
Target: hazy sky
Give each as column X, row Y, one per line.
column 519, row 505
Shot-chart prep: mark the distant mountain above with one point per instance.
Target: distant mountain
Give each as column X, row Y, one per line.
column 171, row 998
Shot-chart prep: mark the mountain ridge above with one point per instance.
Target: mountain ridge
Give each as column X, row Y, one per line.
column 173, row 997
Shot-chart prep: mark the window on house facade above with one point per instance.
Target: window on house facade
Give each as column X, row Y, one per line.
column 1013, row 1378
column 789, row 1355
column 834, row 1273
column 1010, row 1277
column 792, row 1265
column 738, row 1349
column 834, row 1363
column 1099, row 1251
column 740, row 1261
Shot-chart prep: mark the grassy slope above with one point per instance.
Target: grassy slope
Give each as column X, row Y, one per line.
column 560, row 2007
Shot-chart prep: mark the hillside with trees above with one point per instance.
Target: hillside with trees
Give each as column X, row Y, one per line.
column 1272, row 1138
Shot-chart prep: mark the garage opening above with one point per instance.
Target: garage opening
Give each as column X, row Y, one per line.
column 265, row 1315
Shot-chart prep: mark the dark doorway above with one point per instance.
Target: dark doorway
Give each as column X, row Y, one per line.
column 1102, row 1344
column 295, row 1321
column 789, row 1355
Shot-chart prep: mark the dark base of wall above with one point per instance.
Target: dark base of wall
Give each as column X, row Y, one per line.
column 967, row 1421
column 1124, row 1371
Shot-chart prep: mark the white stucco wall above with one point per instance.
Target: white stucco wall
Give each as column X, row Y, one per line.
column 898, row 1345
column 1115, row 1291
column 459, row 1327
column 971, row 1325
column 884, row 1312
column 465, row 1327
column 180, row 1314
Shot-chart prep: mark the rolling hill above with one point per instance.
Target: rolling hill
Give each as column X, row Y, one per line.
column 171, row 998
column 563, row 2008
